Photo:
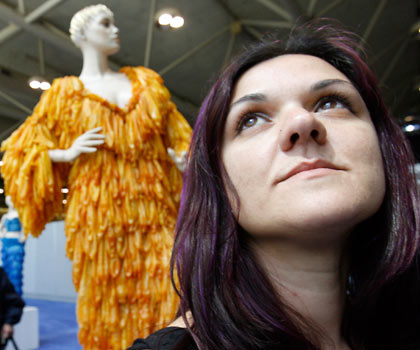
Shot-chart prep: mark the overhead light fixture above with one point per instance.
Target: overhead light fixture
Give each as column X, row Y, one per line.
column 169, row 17
column 1, row 191
column 164, row 19
column 411, row 125
column 177, row 22
column 38, row 82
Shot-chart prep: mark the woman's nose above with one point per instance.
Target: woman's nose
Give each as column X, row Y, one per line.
column 302, row 127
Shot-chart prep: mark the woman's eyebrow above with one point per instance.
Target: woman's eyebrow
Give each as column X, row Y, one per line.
column 327, row 82
column 250, row 97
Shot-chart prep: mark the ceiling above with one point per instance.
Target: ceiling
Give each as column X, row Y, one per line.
column 190, row 57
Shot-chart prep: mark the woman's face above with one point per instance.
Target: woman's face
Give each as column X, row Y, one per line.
column 102, row 34
column 301, row 150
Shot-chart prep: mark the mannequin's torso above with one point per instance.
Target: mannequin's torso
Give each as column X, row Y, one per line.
column 113, row 87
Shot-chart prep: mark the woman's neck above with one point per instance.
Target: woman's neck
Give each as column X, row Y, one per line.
column 95, row 64
column 311, row 282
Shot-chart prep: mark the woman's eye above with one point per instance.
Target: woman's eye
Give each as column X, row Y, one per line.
column 106, row 24
column 251, row 120
column 332, row 102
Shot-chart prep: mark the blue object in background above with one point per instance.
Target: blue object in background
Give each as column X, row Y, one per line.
column 12, row 225
column 13, row 253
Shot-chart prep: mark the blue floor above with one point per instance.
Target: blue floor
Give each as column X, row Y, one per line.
column 57, row 325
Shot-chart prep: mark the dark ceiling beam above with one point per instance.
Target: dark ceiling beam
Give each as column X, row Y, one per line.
column 311, row 8
column 373, row 20
column 393, row 62
column 191, row 52
column 9, row 15
column 279, row 10
column 15, row 102
column 266, row 23
column 149, row 35
column 248, row 30
column 328, row 8
column 296, row 11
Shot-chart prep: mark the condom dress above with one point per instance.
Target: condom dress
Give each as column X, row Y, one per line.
column 122, row 201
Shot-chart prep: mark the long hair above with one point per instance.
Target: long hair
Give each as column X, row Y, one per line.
column 233, row 303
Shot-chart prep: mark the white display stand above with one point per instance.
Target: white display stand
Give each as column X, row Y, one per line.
column 26, row 332
column 46, row 269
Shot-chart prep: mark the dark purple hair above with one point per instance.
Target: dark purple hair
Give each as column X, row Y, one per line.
column 232, row 301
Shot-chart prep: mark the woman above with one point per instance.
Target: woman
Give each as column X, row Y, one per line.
column 105, row 136
column 298, row 226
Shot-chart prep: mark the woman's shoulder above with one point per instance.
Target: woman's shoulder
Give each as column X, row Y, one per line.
column 170, row 338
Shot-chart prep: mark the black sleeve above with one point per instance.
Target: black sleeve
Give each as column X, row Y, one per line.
column 170, row 338
column 12, row 302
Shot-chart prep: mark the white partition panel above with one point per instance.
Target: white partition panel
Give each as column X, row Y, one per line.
column 47, row 270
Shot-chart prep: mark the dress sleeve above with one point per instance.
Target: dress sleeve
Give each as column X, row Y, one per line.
column 31, row 179
column 178, row 131
column 155, row 97
column 13, row 303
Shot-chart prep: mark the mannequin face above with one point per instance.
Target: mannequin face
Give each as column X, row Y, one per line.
column 101, row 33
column 301, row 150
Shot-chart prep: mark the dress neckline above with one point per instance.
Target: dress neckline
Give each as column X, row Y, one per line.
column 124, row 70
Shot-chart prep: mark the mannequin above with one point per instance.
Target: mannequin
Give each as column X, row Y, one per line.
column 117, row 142
column 13, row 246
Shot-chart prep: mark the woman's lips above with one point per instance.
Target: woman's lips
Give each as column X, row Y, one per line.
column 311, row 169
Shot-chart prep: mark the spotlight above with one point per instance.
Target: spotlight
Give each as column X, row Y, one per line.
column 37, row 82
column 1, row 191
column 411, row 125
column 165, row 19
column 177, row 22
column 45, row 85
column 169, row 17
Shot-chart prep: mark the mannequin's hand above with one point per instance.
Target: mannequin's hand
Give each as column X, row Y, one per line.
column 180, row 161
column 83, row 144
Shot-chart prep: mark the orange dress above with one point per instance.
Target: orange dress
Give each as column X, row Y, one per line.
column 122, row 201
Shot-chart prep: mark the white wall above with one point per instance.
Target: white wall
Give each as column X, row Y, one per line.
column 46, row 269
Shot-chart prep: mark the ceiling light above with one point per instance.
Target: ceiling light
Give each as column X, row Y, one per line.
column 165, row 19
column 37, row 82
column 411, row 127
column 34, row 84
column 1, row 191
column 169, row 17
column 45, row 85
column 177, row 22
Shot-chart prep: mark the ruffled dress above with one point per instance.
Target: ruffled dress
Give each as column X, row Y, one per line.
column 121, row 206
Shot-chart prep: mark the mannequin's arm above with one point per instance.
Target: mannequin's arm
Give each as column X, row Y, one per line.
column 83, row 144
column 179, row 160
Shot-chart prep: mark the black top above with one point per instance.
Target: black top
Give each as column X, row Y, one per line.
column 171, row 338
column 11, row 304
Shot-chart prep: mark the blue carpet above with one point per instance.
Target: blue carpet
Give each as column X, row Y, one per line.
column 57, row 324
